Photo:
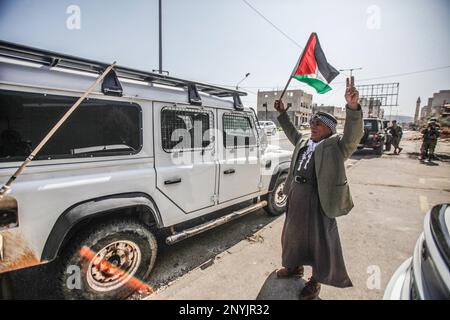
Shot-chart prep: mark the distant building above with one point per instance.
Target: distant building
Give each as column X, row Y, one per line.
column 444, row 118
column 300, row 104
column 337, row 112
column 436, row 106
column 416, row 114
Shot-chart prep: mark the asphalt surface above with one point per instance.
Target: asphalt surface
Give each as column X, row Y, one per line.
column 238, row 260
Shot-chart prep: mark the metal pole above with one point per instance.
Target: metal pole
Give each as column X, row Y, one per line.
column 160, row 36
column 245, row 77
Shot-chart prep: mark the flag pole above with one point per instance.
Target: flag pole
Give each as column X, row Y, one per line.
column 295, row 68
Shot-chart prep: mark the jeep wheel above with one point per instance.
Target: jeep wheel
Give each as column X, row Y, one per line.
column 388, row 146
column 108, row 261
column 379, row 150
column 277, row 200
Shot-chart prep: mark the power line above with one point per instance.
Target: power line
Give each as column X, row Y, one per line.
column 298, row 45
column 272, row 24
column 405, row 74
column 366, row 79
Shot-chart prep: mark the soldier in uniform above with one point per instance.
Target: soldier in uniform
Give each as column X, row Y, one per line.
column 396, row 132
column 430, row 135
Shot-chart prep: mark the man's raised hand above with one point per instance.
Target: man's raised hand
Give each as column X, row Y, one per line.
column 351, row 94
column 279, row 106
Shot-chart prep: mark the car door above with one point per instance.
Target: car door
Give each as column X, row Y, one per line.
column 184, row 145
column 239, row 159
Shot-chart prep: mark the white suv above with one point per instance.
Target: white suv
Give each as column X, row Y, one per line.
column 144, row 155
column 269, row 127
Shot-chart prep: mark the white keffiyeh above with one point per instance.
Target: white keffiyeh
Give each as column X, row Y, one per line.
column 306, row 157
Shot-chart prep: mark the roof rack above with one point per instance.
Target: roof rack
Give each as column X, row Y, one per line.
column 53, row 59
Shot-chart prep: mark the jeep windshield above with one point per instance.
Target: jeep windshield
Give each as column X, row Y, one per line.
column 370, row 125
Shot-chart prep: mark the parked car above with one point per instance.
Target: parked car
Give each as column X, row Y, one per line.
column 374, row 135
column 426, row 275
column 269, row 127
column 140, row 159
column 306, row 125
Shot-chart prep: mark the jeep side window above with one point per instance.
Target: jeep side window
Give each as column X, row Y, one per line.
column 238, row 131
column 186, row 129
column 96, row 128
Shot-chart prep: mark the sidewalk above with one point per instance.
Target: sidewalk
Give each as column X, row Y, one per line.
column 251, row 263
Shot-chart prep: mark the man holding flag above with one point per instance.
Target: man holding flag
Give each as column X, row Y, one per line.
column 316, row 185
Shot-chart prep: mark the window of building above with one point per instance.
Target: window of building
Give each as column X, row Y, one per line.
column 97, row 128
column 289, row 104
column 186, row 129
column 238, row 131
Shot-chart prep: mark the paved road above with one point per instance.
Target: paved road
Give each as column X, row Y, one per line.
column 392, row 195
column 237, row 260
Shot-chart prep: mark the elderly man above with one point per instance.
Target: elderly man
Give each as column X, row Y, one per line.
column 318, row 192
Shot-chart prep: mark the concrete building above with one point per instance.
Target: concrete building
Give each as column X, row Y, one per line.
column 435, row 106
column 300, row 104
column 337, row 112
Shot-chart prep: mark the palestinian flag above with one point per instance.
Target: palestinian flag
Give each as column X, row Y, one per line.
column 313, row 68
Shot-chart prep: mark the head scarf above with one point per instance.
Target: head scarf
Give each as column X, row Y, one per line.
column 326, row 119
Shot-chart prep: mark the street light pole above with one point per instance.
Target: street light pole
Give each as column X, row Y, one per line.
column 245, row 77
column 160, row 36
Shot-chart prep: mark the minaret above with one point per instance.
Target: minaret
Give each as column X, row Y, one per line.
column 416, row 116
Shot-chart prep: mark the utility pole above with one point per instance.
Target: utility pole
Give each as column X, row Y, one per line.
column 265, row 107
column 160, row 36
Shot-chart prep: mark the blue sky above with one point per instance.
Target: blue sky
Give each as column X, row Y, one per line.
column 220, row 41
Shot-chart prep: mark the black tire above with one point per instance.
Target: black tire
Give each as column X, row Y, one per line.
column 379, row 150
column 273, row 199
column 130, row 237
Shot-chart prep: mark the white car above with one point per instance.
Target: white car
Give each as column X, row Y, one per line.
column 426, row 275
column 269, row 127
column 144, row 155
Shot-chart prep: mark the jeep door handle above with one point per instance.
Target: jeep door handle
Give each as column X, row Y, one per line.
column 229, row 171
column 173, row 181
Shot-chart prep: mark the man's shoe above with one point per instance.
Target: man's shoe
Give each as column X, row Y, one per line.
column 400, row 150
column 310, row 291
column 287, row 272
